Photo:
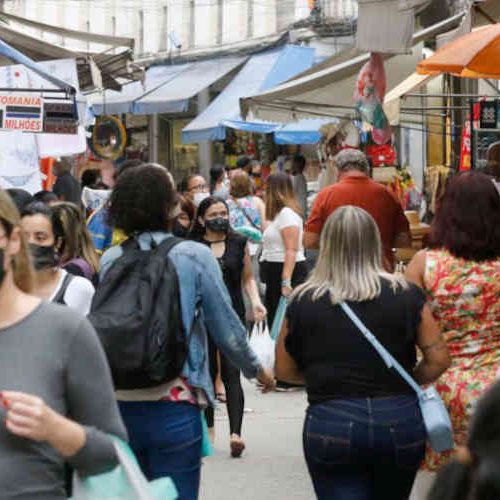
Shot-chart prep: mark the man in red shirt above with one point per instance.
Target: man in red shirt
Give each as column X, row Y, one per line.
column 356, row 188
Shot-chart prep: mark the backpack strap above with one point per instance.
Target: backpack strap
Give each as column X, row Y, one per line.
column 59, row 296
column 167, row 244
column 245, row 213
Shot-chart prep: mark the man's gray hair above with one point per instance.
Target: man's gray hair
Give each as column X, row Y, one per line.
column 352, row 159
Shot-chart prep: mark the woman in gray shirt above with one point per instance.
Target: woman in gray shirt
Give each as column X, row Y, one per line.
column 56, row 401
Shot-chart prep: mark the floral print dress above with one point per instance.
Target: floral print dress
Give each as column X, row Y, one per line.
column 464, row 297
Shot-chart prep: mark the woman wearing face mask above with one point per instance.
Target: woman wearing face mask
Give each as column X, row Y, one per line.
column 184, row 218
column 57, row 400
column 45, row 235
column 212, row 228
column 196, row 189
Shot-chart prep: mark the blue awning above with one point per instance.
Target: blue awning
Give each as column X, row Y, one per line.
column 262, row 71
column 302, row 132
column 174, row 95
column 115, row 103
column 167, row 88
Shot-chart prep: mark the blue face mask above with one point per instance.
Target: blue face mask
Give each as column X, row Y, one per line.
column 218, row 225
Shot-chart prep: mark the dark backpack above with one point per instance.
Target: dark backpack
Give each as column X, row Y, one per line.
column 136, row 311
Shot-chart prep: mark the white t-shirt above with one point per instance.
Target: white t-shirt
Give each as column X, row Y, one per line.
column 78, row 295
column 273, row 249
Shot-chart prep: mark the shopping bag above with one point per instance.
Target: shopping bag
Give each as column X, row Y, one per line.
column 279, row 317
column 263, row 345
column 124, row 482
column 207, row 449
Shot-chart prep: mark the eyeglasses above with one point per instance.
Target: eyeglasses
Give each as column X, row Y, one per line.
column 199, row 188
column 256, row 175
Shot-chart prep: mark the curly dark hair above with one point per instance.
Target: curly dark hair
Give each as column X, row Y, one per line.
column 142, row 200
column 467, row 222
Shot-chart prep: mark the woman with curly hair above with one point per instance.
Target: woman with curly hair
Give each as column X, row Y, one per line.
column 164, row 422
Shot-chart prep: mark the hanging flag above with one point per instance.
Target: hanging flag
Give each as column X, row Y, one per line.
column 465, row 146
column 466, row 141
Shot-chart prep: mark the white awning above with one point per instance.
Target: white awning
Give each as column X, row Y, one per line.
column 392, row 102
column 328, row 90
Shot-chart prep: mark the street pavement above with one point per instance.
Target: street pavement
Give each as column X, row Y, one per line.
column 272, row 467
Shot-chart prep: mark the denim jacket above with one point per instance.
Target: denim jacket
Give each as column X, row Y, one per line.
column 200, row 281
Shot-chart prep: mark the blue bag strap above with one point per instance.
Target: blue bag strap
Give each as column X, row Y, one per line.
column 387, row 357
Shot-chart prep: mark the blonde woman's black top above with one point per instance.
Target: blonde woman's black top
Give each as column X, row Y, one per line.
column 337, row 361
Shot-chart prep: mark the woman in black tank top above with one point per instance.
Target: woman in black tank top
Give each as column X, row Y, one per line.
column 212, row 229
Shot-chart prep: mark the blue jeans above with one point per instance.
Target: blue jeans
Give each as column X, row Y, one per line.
column 166, row 439
column 364, row 448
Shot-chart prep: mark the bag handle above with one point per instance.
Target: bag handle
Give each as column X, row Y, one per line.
column 386, row 356
column 245, row 213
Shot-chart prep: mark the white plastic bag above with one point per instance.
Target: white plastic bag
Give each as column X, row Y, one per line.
column 263, row 345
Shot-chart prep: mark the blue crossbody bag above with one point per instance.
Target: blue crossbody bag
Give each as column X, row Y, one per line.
column 436, row 419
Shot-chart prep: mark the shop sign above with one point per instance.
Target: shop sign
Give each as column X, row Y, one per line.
column 488, row 117
column 21, row 112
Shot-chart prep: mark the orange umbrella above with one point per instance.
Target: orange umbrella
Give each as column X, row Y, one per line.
column 474, row 55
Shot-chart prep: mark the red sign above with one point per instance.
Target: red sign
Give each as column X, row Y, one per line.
column 465, row 147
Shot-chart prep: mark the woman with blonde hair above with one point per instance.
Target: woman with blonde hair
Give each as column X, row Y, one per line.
column 78, row 253
column 363, row 435
column 283, row 262
column 57, row 399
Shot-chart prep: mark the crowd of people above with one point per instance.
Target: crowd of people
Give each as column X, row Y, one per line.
column 229, row 248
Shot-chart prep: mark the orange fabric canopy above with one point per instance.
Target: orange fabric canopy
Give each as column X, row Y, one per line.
column 474, row 55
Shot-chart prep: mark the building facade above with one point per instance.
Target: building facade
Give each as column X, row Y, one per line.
column 172, row 26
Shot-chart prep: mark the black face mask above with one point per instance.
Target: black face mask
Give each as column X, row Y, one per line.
column 44, row 257
column 179, row 230
column 218, row 225
column 2, row 263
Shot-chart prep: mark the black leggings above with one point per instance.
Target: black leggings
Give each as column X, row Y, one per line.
column 235, row 398
column 271, row 275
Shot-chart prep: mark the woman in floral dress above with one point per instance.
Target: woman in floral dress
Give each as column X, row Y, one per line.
column 461, row 278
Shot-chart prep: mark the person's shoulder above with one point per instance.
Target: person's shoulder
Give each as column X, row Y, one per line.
column 111, row 254
column 402, row 289
column 60, row 320
column 289, row 213
column 191, row 248
column 237, row 238
column 81, row 284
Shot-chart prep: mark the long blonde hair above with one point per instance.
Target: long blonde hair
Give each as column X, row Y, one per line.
column 77, row 240
column 280, row 194
column 21, row 263
column 349, row 265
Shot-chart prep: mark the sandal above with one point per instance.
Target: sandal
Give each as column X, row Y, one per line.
column 237, row 446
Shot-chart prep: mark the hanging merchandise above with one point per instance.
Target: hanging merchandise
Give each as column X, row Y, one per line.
column 109, row 138
column 381, row 155
column 405, row 189
column 369, row 97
